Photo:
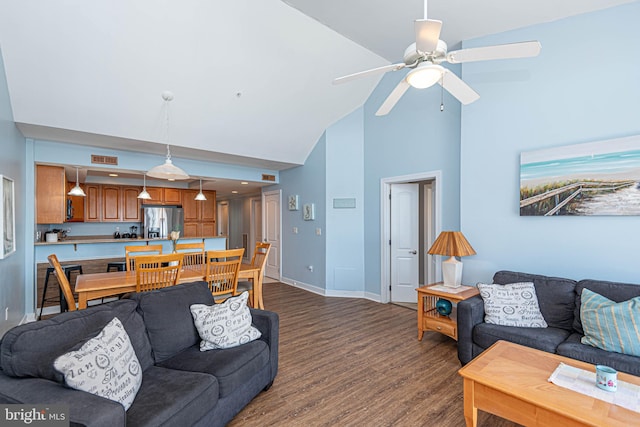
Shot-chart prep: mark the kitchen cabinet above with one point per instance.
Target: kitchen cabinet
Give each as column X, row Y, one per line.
column 50, row 194
column 131, row 204
column 163, row 196
column 93, row 203
column 199, row 215
column 111, row 203
column 75, row 205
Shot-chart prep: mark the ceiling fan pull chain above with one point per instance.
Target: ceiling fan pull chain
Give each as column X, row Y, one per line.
column 442, row 92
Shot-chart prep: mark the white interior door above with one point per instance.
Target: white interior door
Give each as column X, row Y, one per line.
column 271, row 215
column 405, row 262
column 256, row 224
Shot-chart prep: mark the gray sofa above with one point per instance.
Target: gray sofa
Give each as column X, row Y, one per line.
column 559, row 301
column 181, row 386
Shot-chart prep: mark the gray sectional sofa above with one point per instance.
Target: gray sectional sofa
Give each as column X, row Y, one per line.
column 181, row 385
column 559, row 301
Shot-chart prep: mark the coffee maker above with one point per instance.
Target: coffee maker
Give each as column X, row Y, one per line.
column 133, row 231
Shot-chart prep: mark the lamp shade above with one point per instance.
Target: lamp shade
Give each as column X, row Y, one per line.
column 200, row 196
column 167, row 170
column 77, row 190
column 451, row 243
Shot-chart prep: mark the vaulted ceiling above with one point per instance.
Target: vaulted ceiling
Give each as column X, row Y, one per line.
column 251, row 78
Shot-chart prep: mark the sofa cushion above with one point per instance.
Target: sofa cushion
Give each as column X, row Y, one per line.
column 556, row 296
column 615, row 291
column 106, row 366
column 232, row 366
column 29, row 350
column 224, row 325
column 547, row 339
column 573, row 348
column 610, row 326
column 513, row 304
column 172, row 398
column 168, row 319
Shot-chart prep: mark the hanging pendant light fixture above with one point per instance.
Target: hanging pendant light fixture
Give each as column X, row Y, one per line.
column 77, row 191
column 144, row 194
column 200, row 195
column 167, row 170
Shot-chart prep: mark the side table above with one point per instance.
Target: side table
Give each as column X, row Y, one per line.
column 428, row 317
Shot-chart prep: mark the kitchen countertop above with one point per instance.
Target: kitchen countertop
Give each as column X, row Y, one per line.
column 72, row 240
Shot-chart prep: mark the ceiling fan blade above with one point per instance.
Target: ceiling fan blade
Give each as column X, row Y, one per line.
column 427, row 34
column 393, row 98
column 501, row 51
column 379, row 70
column 456, row 87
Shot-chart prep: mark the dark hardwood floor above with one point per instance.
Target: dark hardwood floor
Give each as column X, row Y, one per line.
column 353, row 362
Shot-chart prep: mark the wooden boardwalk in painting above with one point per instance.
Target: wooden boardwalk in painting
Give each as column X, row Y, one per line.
column 575, row 190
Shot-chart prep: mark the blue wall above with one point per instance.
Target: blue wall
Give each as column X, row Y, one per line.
column 304, row 248
column 414, row 137
column 345, row 227
column 13, row 165
column 584, row 86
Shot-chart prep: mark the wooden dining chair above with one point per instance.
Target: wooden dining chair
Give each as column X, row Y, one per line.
column 222, row 272
column 131, row 252
column 63, row 281
column 194, row 256
column 157, row 271
column 259, row 260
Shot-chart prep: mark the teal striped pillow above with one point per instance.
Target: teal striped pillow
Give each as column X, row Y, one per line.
column 609, row 325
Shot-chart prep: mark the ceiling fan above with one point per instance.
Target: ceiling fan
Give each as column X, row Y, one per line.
column 428, row 52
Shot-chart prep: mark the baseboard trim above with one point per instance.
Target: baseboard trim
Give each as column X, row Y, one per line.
column 330, row 293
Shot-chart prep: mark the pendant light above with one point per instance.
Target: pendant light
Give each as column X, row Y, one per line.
column 200, row 196
column 167, row 170
column 76, row 191
column 144, row 194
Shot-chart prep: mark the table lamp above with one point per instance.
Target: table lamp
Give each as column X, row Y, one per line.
column 452, row 244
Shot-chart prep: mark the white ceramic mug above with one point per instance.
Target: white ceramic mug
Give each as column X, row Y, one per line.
column 606, row 378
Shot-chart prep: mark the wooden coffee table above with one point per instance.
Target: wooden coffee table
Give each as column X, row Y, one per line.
column 510, row 381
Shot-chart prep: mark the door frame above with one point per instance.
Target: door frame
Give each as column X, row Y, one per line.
column 385, row 222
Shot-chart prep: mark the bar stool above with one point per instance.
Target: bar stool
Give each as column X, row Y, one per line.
column 67, row 271
column 118, row 265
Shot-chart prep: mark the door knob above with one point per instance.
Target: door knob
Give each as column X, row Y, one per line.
column 413, row 252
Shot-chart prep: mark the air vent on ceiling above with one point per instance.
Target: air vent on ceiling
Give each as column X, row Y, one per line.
column 104, row 160
column 266, row 177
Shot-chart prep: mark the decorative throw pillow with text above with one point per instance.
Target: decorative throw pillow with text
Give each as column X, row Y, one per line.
column 224, row 325
column 514, row 304
column 106, row 366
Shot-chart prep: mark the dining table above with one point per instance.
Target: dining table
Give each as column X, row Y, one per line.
column 92, row 286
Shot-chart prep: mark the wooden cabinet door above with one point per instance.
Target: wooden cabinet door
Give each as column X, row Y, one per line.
column 208, row 229
column 93, row 203
column 191, row 207
column 131, row 204
column 192, row 229
column 172, row 196
column 209, row 207
column 156, row 196
column 111, row 203
column 50, row 194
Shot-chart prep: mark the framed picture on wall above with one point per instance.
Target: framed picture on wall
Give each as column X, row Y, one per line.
column 7, row 217
column 309, row 212
column 293, row 202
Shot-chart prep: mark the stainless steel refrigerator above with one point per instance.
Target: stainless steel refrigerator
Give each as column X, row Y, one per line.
column 159, row 221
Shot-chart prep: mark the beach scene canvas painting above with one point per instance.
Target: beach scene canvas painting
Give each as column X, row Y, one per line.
column 596, row 178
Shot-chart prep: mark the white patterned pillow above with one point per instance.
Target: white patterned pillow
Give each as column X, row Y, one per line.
column 514, row 304
column 106, row 366
column 224, row 325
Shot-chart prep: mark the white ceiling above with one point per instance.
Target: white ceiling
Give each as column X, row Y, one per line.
column 251, row 79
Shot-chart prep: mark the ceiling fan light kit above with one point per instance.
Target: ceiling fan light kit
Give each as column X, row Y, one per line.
column 425, row 75
column 424, row 58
